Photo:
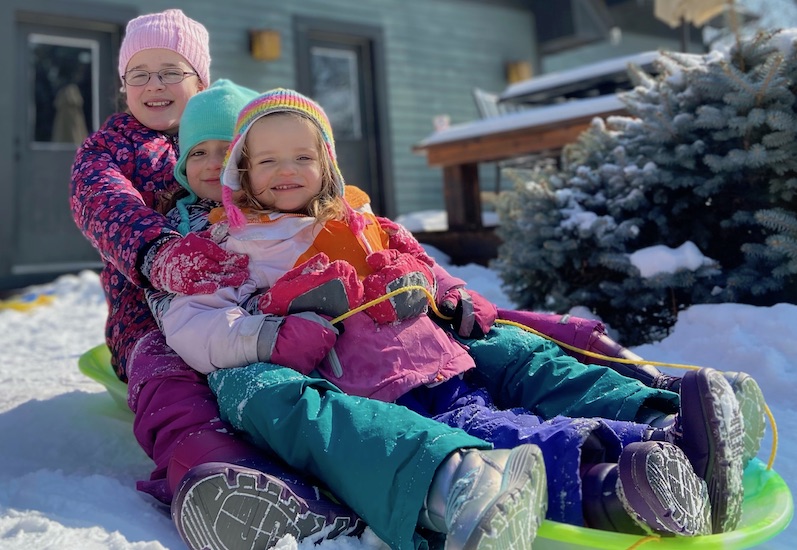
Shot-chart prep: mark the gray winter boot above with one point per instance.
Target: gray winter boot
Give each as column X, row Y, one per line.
column 751, row 404
column 753, row 408
column 488, row 499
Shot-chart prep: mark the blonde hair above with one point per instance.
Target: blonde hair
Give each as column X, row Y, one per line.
column 326, row 205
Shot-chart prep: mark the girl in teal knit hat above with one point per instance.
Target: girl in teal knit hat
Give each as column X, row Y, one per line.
column 263, row 492
column 206, row 129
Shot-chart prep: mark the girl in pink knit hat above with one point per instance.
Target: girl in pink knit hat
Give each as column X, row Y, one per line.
column 163, row 61
column 122, row 182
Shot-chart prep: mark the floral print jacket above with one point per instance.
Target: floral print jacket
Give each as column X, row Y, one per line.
column 121, row 178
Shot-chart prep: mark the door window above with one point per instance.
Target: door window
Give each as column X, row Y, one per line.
column 336, row 87
column 63, row 108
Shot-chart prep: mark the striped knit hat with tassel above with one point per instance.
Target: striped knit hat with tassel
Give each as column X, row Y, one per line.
column 274, row 101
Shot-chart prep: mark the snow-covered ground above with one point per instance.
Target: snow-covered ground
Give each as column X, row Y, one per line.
column 68, row 460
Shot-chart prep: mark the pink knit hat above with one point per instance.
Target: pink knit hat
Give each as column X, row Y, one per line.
column 171, row 30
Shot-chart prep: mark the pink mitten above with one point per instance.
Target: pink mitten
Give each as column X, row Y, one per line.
column 394, row 270
column 472, row 313
column 194, row 265
column 299, row 341
column 403, row 241
column 316, row 285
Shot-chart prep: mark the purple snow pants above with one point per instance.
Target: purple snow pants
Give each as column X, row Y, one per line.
column 172, row 401
column 458, row 404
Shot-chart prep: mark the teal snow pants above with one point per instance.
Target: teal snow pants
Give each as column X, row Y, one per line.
column 521, row 369
column 378, row 458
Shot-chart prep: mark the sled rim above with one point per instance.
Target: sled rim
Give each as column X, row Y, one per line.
column 96, row 364
column 767, row 510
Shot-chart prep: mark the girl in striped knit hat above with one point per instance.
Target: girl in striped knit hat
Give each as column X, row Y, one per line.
column 315, row 258
column 285, row 207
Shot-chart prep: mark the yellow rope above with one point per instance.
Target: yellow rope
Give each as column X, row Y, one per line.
column 389, row 295
column 433, row 306
column 774, row 448
column 644, row 540
column 593, row 354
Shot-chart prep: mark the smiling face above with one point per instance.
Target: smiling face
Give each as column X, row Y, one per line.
column 203, row 168
column 284, row 162
column 156, row 105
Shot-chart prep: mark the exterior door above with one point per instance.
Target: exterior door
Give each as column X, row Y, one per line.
column 66, row 86
column 338, row 65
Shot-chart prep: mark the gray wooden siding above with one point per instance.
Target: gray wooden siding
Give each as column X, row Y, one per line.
column 436, row 52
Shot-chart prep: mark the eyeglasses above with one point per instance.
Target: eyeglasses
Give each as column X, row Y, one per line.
column 166, row 76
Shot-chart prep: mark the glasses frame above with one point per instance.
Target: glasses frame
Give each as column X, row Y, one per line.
column 186, row 74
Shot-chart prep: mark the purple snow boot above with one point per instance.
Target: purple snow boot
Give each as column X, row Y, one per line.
column 746, row 390
column 752, row 405
column 709, row 431
column 221, row 506
column 230, row 495
column 753, row 408
column 652, row 489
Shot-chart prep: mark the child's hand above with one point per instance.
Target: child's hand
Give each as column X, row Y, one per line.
column 472, row 313
column 194, row 265
column 299, row 341
column 403, row 241
column 316, row 285
column 394, row 270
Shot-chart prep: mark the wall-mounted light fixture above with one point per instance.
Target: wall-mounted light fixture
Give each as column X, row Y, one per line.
column 264, row 44
column 517, row 71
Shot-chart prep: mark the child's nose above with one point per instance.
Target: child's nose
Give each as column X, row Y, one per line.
column 217, row 159
column 154, row 82
column 287, row 167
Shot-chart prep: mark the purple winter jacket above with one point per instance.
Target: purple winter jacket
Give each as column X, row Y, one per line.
column 120, row 176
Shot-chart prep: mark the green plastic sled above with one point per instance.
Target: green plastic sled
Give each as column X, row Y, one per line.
column 96, row 364
column 767, row 509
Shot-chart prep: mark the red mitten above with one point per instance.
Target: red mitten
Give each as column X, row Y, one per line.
column 316, row 285
column 299, row 341
column 194, row 265
column 394, row 270
column 473, row 315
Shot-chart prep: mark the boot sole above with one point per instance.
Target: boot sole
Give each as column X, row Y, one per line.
column 229, row 508
column 660, row 490
column 512, row 520
column 707, row 394
column 752, row 406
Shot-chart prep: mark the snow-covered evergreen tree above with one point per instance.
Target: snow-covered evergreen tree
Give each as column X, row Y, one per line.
column 708, row 156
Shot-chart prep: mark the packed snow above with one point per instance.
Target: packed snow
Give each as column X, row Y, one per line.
column 69, row 462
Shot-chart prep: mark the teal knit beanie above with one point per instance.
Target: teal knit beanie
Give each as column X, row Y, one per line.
column 210, row 114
